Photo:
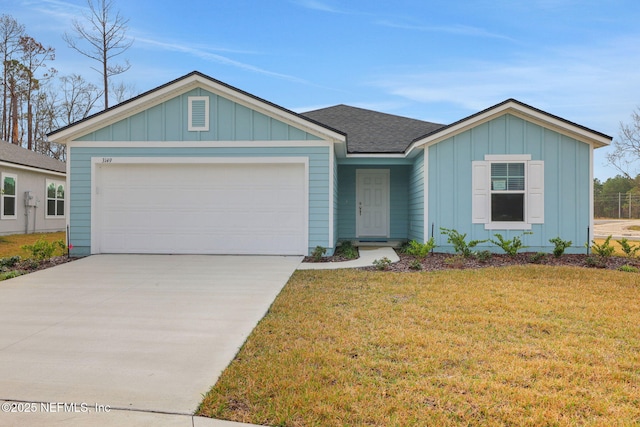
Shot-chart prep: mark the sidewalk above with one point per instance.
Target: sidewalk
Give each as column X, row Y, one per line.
column 616, row 228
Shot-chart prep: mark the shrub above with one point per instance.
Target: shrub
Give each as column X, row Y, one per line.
column 629, row 251
column 510, row 247
column 43, row 249
column 460, row 245
column 483, row 256
column 9, row 262
column 628, row 268
column 318, row 253
column 421, row 250
column 382, row 263
column 604, row 250
column 596, row 261
column 560, row 246
column 9, row 275
column 415, row 265
column 347, row 250
column 537, row 257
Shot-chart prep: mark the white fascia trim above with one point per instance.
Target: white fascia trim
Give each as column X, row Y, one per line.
column 158, row 96
column 199, row 144
column 106, row 161
column 507, row 157
column 377, row 155
column 332, row 164
column 522, row 112
column 198, row 160
column 591, row 200
column 32, row 169
column 425, row 195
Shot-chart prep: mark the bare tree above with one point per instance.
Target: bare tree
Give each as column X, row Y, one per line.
column 122, row 91
column 106, row 36
column 34, row 55
column 626, row 152
column 10, row 33
column 79, row 98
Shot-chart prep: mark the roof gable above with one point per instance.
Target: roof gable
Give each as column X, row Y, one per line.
column 14, row 154
column 371, row 131
column 191, row 83
column 523, row 111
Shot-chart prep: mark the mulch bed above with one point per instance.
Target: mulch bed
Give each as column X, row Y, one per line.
column 29, row 266
column 441, row 261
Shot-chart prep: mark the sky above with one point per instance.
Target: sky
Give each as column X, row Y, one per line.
column 438, row 61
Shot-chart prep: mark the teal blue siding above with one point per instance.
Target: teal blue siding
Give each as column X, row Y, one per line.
column 80, row 188
column 399, row 199
column 228, row 121
column 416, row 200
column 336, row 200
column 566, row 182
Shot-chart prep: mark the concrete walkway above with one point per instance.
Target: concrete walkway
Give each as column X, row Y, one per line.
column 367, row 256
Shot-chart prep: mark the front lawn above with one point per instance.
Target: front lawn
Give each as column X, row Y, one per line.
column 12, row 245
column 524, row 345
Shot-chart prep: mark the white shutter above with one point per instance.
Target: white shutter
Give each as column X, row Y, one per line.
column 535, row 192
column 481, row 192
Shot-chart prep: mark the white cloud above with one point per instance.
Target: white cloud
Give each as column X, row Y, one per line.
column 595, row 86
column 317, row 5
column 462, row 30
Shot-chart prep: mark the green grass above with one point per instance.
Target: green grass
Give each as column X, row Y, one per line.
column 529, row 345
column 12, row 245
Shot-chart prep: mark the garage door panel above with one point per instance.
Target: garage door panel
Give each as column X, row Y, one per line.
column 201, row 208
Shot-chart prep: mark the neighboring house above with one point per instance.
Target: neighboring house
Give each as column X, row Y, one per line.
column 198, row 166
column 32, row 190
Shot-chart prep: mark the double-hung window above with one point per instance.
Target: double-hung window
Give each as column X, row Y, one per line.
column 9, row 189
column 55, row 199
column 508, row 192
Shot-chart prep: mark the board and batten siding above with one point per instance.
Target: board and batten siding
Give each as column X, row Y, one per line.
column 416, row 200
column 80, row 183
column 228, row 121
column 566, row 182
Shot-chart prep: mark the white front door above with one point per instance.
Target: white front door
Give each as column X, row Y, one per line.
column 372, row 202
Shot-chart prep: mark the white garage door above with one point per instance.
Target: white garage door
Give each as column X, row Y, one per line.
column 200, row 208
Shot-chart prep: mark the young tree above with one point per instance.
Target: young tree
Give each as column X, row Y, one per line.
column 106, row 36
column 10, row 33
column 626, row 154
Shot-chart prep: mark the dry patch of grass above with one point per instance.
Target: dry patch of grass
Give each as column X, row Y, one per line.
column 12, row 245
column 529, row 345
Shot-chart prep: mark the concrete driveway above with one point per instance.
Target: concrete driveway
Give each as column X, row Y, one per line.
column 136, row 332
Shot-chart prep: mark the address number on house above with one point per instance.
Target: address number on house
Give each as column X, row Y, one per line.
column 107, row 159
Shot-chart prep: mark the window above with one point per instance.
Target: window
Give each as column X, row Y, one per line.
column 508, row 192
column 9, row 188
column 55, row 199
column 198, row 113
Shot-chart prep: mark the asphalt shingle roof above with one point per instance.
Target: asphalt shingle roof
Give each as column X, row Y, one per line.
column 371, row 131
column 12, row 153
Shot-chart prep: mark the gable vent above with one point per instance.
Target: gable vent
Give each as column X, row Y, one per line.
column 198, row 113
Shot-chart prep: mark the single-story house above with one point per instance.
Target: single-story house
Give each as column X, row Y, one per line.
column 32, row 191
column 198, row 166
